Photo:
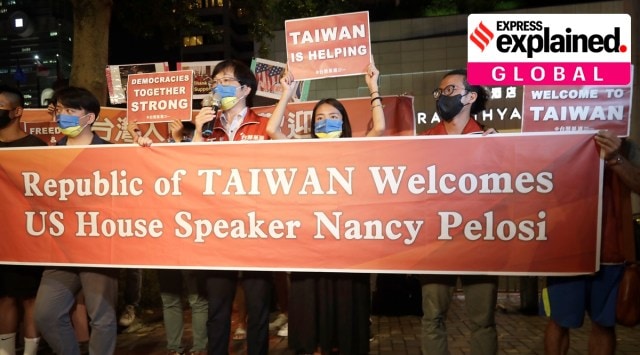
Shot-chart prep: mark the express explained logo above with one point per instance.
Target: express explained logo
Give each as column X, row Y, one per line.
column 481, row 36
column 542, row 40
column 549, row 49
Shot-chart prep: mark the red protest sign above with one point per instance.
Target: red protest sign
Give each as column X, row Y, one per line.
column 328, row 46
column 556, row 108
column 160, row 97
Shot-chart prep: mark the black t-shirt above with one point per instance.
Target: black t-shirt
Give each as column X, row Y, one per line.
column 26, row 141
column 94, row 140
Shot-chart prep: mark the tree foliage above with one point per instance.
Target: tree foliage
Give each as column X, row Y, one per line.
column 167, row 20
column 269, row 15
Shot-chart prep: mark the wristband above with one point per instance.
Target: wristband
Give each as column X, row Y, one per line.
column 376, row 98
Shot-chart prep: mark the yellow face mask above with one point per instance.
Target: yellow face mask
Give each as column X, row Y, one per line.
column 228, row 102
column 72, row 131
column 334, row 134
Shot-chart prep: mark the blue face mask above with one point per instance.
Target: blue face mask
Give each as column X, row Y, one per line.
column 70, row 125
column 328, row 126
column 66, row 121
column 225, row 90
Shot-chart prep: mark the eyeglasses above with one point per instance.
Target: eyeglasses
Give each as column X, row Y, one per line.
column 222, row 81
column 447, row 91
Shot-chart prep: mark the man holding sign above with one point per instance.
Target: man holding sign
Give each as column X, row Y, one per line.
column 76, row 111
column 566, row 299
column 456, row 102
column 235, row 84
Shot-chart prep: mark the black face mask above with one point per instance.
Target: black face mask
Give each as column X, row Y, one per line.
column 449, row 106
column 4, row 118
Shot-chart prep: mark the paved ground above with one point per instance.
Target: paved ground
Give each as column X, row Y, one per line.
column 518, row 334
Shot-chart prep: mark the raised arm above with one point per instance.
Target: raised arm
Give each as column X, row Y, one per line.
column 289, row 87
column 377, row 112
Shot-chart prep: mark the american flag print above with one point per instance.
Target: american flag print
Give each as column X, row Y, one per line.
column 268, row 76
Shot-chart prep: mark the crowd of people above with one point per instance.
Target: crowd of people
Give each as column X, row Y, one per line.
column 320, row 312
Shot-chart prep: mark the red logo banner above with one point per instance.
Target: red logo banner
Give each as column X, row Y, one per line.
column 111, row 125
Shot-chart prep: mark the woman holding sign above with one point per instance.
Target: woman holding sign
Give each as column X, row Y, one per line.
column 329, row 311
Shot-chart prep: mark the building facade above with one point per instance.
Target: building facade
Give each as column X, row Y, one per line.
column 35, row 45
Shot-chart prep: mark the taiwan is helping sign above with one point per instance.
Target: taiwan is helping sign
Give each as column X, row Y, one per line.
column 328, row 46
column 549, row 49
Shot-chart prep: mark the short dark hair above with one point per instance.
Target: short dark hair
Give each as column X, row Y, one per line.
column 346, row 126
column 78, row 98
column 482, row 93
column 242, row 72
column 14, row 95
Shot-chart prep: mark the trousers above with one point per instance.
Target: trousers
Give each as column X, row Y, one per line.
column 221, row 290
column 172, row 283
column 56, row 296
column 480, row 294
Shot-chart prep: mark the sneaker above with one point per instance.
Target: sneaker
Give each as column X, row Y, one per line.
column 284, row 330
column 128, row 316
column 280, row 320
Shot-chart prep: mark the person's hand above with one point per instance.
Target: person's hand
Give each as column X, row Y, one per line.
column 144, row 141
column 371, row 77
column 136, row 134
column 205, row 115
column 176, row 129
column 489, row 131
column 132, row 128
column 609, row 143
column 288, row 84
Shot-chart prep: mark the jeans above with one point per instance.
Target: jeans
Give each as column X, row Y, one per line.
column 55, row 298
column 480, row 293
column 171, row 289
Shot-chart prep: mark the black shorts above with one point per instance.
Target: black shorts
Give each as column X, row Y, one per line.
column 19, row 281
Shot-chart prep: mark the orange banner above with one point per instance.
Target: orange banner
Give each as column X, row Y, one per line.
column 398, row 112
column 328, row 46
column 111, row 125
column 501, row 204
